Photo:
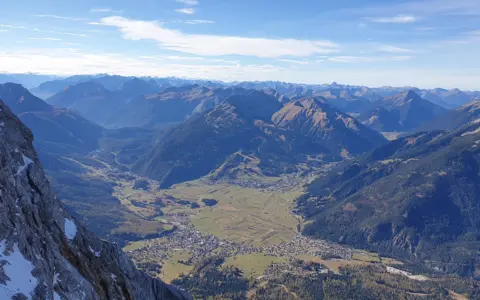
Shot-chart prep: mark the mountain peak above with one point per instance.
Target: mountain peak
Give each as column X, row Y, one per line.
column 20, row 99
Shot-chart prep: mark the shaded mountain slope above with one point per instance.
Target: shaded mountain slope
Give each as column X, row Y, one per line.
column 58, row 130
column 173, row 105
column 255, row 126
column 340, row 133
column 44, row 253
column 454, row 118
column 416, row 198
column 91, row 99
column 402, row 112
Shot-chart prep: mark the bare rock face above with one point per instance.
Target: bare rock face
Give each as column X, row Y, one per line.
column 44, row 253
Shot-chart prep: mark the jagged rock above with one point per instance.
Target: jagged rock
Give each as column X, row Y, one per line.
column 45, row 253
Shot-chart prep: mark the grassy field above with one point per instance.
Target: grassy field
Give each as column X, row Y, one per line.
column 252, row 265
column 242, row 215
column 172, row 268
column 334, row 264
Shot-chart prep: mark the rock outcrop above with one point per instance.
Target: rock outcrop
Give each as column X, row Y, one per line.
column 45, row 253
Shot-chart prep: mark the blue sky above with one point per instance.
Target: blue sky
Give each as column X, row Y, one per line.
column 425, row 43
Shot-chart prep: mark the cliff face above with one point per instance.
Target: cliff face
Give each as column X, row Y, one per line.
column 44, row 253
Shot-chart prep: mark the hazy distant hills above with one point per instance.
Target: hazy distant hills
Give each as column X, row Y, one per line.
column 402, row 112
column 28, row 80
column 255, row 125
column 97, row 103
column 416, row 197
column 57, row 131
column 172, row 105
column 455, row 118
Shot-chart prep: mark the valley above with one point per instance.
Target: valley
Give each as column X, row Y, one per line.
column 249, row 222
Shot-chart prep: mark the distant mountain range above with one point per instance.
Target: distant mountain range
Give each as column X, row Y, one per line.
column 57, row 131
column 455, row 118
column 255, row 125
column 415, row 197
column 96, row 102
column 170, row 106
column 402, row 112
column 46, row 86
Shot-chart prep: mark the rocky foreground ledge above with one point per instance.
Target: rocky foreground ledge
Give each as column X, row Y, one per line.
column 45, row 253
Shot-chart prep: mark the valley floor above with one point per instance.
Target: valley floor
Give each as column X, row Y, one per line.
column 249, row 222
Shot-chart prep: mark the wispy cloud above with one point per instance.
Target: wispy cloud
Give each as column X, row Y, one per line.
column 294, row 61
column 45, row 39
column 216, row 45
column 187, row 11
column 196, row 22
column 69, row 61
column 60, row 32
column 61, row 18
column 393, row 49
column 366, row 59
column 396, row 19
column 105, row 10
column 4, row 30
column 188, row 2
column 424, row 28
column 11, row 26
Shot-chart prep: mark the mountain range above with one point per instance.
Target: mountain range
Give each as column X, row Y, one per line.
column 57, row 131
column 402, row 112
column 415, row 198
column 255, row 124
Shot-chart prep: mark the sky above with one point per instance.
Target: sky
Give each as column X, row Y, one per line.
column 423, row 43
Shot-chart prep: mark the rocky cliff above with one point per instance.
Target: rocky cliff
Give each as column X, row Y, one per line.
column 44, row 253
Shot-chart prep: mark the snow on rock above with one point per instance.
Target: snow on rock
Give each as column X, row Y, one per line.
column 26, row 162
column 56, row 296
column 70, row 229
column 19, row 273
column 96, row 253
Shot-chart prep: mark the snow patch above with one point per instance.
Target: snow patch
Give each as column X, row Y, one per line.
column 70, row 229
column 56, row 296
column 406, row 274
column 96, row 253
column 19, row 271
column 26, row 162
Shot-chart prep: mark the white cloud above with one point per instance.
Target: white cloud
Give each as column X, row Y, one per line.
column 11, row 26
column 397, row 19
column 187, row 11
column 68, row 61
column 367, row 59
column 104, row 10
column 197, row 22
column 424, row 28
column 60, row 32
column 294, row 61
column 4, row 30
column 100, row 10
column 189, row 2
column 61, row 18
column 45, row 39
column 393, row 49
column 216, row 45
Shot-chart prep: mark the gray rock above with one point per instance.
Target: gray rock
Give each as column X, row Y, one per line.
column 44, row 252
